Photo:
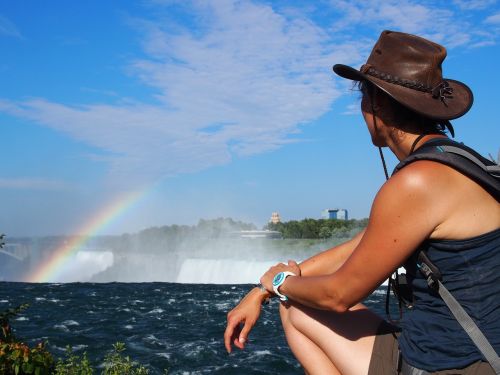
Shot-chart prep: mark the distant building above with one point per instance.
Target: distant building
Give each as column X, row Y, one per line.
column 275, row 218
column 337, row 213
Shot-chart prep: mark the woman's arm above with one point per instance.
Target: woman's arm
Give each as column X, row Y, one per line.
column 243, row 317
column 329, row 261
column 405, row 212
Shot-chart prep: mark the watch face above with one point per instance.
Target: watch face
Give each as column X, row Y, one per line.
column 278, row 278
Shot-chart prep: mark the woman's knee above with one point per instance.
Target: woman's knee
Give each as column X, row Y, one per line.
column 292, row 316
column 284, row 314
column 339, row 336
column 354, row 324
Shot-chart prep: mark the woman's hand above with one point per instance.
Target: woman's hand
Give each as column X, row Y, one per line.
column 267, row 279
column 242, row 318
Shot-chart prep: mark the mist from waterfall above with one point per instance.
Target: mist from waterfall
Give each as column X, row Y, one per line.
column 221, row 271
column 214, row 261
column 83, row 265
column 212, row 252
column 208, row 261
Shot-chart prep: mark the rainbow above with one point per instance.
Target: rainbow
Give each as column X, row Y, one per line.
column 50, row 269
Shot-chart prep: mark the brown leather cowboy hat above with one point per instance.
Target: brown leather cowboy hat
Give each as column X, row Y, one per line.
column 408, row 68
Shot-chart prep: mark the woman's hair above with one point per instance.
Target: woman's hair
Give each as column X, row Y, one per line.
column 400, row 116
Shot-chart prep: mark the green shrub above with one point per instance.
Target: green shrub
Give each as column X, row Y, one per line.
column 17, row 358
column 73, row 364
column 115, row 363
column 7, row 334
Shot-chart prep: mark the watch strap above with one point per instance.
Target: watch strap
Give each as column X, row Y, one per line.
column 285, row 274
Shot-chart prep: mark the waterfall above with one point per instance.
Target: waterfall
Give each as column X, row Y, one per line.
column 193, row 260
column 222, row 271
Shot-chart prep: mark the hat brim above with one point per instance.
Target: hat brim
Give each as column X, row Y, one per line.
column 421, row 102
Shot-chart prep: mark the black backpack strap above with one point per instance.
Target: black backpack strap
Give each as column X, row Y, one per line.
column 461, row 158
column 490, row 168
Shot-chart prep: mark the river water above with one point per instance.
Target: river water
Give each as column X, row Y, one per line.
column 171, row 326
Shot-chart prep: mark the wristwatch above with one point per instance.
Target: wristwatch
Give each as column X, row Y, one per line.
column 278, row 280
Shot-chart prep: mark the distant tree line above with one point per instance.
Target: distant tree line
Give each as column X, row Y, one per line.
column 189, row 237
column 319, row 228
column 211, row 228
column 174, row 236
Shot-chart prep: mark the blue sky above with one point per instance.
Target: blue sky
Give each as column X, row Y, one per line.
column 210, row 108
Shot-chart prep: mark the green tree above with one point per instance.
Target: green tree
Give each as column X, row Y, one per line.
column 325, row 232
column 318, row 228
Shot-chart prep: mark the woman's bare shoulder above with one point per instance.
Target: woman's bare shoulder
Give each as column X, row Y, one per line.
column 407, row 203
column 434, row 177
column 425, row 172
column 421, row 180
column 450, row 198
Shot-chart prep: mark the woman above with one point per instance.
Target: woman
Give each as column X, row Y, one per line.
column 424, row 206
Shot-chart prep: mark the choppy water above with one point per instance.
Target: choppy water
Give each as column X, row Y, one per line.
column 178, row 327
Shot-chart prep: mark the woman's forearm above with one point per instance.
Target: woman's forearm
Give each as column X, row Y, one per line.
column 314, row 291
column 311, row 291
column 329, row 261
column 313, row 288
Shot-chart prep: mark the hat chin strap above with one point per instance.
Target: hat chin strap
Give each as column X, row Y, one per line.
column 379, row 148
column 383, row 163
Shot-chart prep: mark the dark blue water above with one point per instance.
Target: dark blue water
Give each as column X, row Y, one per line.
column 178, row 327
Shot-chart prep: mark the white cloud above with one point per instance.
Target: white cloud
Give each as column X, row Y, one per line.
column 33, row 184
column 401, row 15
column 242, row 86
column 441, row 23
column 474, row 4
column 241, row 80
column 352, row 109
column 494, row 19
column 8, row 28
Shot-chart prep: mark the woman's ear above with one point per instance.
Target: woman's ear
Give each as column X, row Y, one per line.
column 383, row 105
column 375, row 98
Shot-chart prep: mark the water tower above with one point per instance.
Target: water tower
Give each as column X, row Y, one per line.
column 275, row 218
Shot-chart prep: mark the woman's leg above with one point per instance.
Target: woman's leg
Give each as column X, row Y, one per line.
column 311, row 357
column 326, row 342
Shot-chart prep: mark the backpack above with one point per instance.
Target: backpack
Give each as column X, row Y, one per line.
column 487, row 174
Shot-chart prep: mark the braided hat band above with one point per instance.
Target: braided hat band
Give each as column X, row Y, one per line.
column 441, row 91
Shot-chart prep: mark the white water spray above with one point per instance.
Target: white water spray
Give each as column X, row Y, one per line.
column 85, row 264
column 222, row 271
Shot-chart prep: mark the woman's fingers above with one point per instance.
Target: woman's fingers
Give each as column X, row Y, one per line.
column 232, row 331
column 237, row 335
column 241, row 320
column 295, row 267
column 267, row 278
column 243, row 336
